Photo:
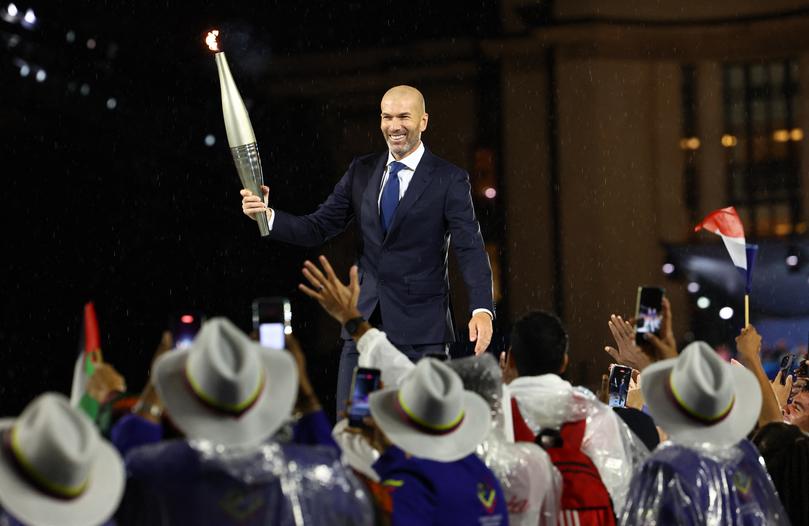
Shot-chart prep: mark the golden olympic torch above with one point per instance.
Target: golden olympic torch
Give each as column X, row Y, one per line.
column 241, row 139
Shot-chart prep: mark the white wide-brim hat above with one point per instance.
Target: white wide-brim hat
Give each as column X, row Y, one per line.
column 430, row 415
column 24, row 479
column 699, row 398
column 226, row 388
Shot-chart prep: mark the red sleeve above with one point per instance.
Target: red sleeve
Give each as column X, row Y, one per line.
column 522, row 433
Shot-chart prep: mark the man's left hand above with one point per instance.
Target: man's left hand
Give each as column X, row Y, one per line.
column 480, row 332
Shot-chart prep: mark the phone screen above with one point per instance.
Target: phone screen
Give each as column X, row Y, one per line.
column 271, row 335
column 366, row 381
column 272, row 319
column 185, row 327
column 649, row 312
column 620, row 375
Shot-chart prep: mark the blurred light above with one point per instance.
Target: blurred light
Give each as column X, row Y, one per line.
column 792, row 260
column 689, row 143
column 187, row 318
column 91, row 43
column 796, row 134
column 287, row 329
column 13, row 40
column 30, row 17
column 24, row 70
column 70, row 36
column 783, row 229
column 210, row 140
column 729, row 141
column 726, row 313
column 703, row 302
column 111, row 103
column 41, row 75
column 693, row 287
column 71, row 86
column 84, row 89
column 780, row 135
column 490, row 192
column 12, row 10
column 668, row 268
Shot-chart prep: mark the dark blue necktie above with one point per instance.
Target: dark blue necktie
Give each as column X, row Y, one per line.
column 390, row 196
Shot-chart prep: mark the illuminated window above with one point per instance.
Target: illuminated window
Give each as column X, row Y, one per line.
column 689, row 142
column 762, row 143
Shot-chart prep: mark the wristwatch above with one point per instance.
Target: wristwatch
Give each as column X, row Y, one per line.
column 353, row 325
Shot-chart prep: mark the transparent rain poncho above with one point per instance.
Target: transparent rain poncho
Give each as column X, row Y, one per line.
column 196, row 482
column 531, row 484
column 547, row 402
column 703, row 484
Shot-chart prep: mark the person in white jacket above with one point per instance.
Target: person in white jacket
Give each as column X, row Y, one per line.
column 531, row 484
column 534, row 363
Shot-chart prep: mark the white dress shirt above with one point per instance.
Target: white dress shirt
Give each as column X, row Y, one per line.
column 411, row 162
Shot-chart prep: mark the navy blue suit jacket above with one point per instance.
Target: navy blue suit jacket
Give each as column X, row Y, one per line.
column 404, row 272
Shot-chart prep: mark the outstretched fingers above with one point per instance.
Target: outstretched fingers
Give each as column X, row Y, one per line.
column 354, row 284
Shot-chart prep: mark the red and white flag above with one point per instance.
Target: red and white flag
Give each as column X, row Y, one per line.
column 726, row 223
column 89, row 353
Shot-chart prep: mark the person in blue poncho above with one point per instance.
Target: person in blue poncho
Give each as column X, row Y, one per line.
column 708, row 472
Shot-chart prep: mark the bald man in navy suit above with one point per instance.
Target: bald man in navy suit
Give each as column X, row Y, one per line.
column 410, row 206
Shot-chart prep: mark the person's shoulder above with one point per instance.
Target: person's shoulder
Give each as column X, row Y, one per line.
column 311, row 455
column 676, row 458
column 165, row 458
column 368, row 159
column 439, row 163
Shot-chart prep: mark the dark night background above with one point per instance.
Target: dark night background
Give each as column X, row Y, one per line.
column 596, row 135
column 128, row 207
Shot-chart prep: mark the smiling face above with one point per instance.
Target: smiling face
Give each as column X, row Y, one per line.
column 403, row 120
column 797, row 413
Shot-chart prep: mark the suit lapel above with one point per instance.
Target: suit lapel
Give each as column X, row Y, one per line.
column 420, row 181
column 370, row 208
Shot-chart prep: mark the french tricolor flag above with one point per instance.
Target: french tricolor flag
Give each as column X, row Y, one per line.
column 726, row 223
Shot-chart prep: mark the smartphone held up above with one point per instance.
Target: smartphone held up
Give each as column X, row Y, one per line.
column 272, row 319
column 648, row 312
column 366, row 380
column 620, row 376
column 184, row 327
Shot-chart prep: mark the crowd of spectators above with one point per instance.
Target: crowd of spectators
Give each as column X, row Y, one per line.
column 228, row 431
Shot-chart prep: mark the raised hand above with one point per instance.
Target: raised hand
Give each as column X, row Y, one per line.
column 628, row 353
column 664, row 346
column 748, row 344
column 253, row 204
column 782, row 392
column 339, row 300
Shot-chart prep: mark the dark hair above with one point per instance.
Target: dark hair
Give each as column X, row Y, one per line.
column 785, row 450
column 539, row 344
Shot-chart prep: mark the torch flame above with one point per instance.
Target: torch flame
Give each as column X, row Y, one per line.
column 213, row 45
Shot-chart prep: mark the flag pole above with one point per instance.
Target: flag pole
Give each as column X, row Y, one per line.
column 747, row 310
column 750, row 251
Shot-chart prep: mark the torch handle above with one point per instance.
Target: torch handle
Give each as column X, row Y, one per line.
column 248, row 166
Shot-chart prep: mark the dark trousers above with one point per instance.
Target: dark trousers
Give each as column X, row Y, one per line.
column 350, row 356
